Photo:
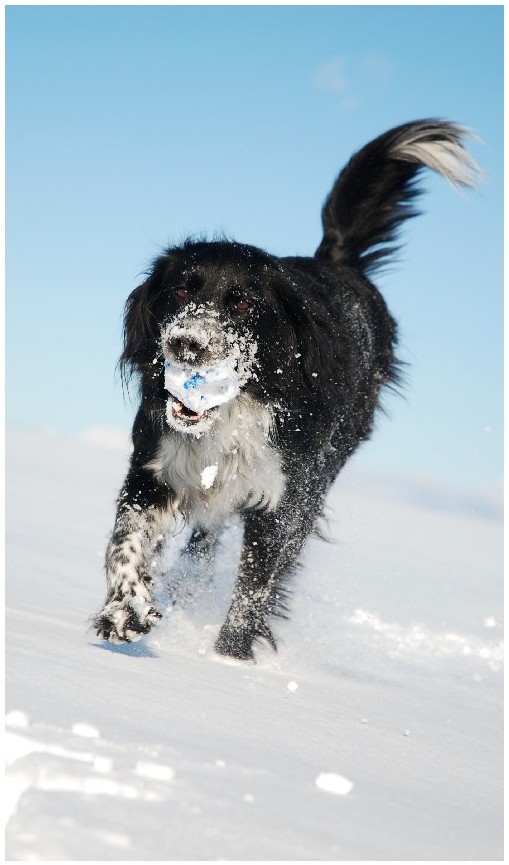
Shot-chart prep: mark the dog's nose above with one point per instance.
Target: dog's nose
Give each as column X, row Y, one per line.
column 186, row 348
column 185, row 344
column 194, row 342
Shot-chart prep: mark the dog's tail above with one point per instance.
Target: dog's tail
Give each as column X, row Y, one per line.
column 376, row 191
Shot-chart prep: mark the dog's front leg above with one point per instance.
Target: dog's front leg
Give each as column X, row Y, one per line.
column 272, row 543
column 143, row 518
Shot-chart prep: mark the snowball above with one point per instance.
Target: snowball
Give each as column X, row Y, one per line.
column 202, row 388
column 292, row 686
column 333, row 783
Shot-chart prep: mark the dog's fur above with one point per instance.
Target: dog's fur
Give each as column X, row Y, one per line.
column 313, row 343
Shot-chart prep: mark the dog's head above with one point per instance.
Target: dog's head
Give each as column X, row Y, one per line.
column 229, row 317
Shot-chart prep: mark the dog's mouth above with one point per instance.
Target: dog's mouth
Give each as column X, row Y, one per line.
column 196, row 393
column 185, row 414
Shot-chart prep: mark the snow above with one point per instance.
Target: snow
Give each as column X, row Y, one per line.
column 154, row 770
column 202, row 388
column 208, row 475
column 334, row 783
column 86, row 730
column 163, row 751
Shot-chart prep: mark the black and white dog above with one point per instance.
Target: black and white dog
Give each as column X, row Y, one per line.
column 309, row 343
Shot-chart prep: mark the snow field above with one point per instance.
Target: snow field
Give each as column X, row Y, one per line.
column 375, row 732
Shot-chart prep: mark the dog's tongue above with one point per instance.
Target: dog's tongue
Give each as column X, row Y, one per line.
column 202, row 388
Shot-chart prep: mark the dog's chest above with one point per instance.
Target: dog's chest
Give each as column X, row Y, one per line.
column 234, row 468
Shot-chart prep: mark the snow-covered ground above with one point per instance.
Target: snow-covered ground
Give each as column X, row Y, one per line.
column 374, row 733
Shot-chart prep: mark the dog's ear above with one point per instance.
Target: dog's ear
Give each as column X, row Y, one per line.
column 137, row 330
column 141, row 325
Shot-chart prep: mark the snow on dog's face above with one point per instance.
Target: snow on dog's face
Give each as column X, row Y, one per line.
column 206, row 364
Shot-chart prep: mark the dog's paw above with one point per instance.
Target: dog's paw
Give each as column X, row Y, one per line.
column 126, row 621
column 237, row 642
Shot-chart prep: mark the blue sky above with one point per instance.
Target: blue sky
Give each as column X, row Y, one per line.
column 129, row 127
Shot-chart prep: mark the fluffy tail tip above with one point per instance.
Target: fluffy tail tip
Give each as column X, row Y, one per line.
column 439, row 146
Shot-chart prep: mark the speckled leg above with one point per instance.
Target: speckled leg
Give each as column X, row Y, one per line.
column 131, row 562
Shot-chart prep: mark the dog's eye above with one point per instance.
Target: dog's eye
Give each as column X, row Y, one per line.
column 181, row 293
column 242, row 305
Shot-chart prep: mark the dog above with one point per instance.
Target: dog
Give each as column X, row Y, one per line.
column 309, row 344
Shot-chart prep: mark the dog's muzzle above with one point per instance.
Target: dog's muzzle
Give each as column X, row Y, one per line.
column 197, row 390
column 200, row 373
